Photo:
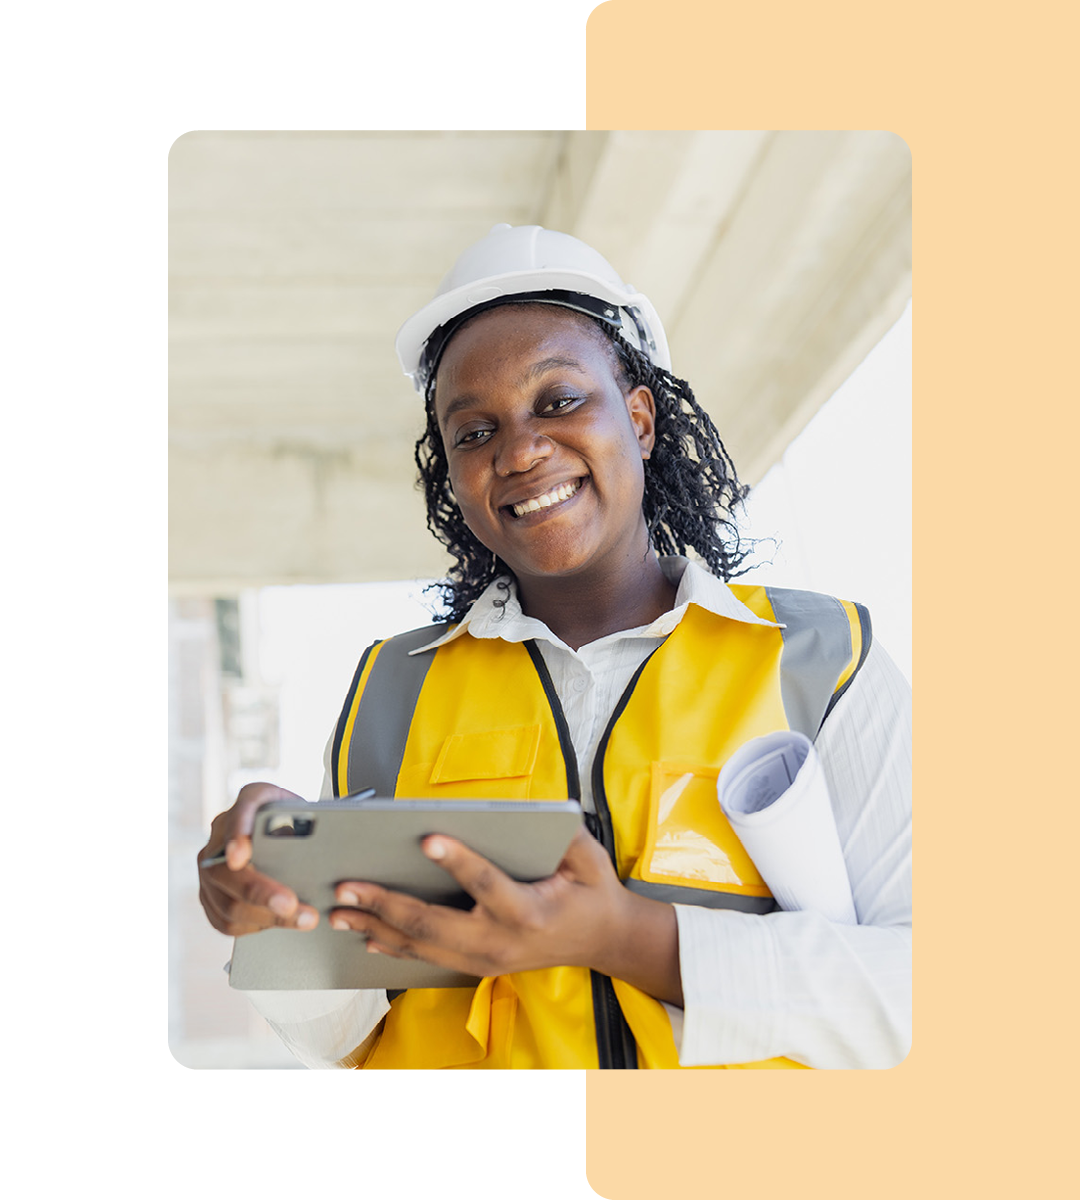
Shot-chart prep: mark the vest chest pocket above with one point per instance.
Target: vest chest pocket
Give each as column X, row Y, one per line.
column 489, row 763
column 688, row 840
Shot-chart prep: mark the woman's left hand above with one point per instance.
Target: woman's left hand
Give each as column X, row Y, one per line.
column 580, row 916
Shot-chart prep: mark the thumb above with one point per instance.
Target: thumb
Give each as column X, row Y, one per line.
column 238, row 852
column 585, row 858
column 240, row 820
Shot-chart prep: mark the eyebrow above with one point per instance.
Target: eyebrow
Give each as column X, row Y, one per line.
column 541, row 367
column 549, row 364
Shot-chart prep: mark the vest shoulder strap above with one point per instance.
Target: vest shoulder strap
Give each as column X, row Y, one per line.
column 369, row 741
column 826, row 641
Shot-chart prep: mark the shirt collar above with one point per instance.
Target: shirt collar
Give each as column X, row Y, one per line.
column 497, row 613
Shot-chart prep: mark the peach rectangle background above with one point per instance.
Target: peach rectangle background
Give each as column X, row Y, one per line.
column 982, row 1104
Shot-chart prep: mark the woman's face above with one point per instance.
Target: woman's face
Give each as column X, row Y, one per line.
column 545, row 450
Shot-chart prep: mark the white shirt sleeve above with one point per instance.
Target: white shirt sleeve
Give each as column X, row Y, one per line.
column 322, row 1028
column 794, row 984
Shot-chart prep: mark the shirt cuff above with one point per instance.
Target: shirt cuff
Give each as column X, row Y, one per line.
column 729, row 1016
column 321, row 1027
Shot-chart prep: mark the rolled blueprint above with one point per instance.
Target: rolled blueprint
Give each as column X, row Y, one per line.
column 773, row 792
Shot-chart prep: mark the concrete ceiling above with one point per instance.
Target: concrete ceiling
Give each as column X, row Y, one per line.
column 776, row 260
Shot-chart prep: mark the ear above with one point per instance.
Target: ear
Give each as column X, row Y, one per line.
column 642, row 409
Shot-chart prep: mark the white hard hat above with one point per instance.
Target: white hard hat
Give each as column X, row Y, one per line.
column 528, row 264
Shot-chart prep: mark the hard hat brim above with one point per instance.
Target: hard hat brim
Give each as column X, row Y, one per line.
column 413, row 335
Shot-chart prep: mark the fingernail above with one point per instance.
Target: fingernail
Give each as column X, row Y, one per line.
column 339, row 923
column 435, row 849
column 348, row 897
column 373, row 949
column 280, row 904
column 307, row 919
column 230, row 852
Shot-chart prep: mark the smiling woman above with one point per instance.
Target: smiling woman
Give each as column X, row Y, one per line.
column 545, row 448
column 690, row 488
column 569, row 473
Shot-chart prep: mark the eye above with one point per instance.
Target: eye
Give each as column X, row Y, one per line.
column 559, row 404
column 472, row 437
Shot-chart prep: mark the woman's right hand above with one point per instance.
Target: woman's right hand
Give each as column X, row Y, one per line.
column 236, row 898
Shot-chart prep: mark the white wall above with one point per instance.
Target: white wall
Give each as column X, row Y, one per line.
column 839, row 501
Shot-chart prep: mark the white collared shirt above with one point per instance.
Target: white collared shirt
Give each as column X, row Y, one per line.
column 589, row 681
column 787, row 984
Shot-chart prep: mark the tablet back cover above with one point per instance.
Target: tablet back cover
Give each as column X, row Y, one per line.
column 378, row 841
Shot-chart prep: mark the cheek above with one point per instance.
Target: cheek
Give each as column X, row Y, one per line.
column 632, row 475
column 624, row 453
column 458, row 483
column 456, row 478
column 467, row 494
column 635, row 486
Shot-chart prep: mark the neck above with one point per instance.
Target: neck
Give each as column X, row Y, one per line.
column 578, row 610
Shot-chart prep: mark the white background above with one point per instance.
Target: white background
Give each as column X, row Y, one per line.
column 94, row 96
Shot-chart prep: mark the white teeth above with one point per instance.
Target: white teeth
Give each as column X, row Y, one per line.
column 563, row 492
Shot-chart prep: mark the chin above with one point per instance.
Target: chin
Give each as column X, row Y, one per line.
column 554, row 566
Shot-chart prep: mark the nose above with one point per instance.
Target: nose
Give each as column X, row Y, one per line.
column 519, row 450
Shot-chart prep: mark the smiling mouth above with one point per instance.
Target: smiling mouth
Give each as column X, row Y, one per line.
column 557, row 495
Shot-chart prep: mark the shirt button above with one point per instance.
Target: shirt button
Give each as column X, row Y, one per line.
column 580, row 685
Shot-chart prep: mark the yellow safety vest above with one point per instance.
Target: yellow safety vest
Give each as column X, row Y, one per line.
column 478, row 717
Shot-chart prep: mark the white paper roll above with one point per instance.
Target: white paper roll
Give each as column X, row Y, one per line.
column 773, row 792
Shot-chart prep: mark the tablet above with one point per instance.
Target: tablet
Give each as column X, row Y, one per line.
column 313, row 847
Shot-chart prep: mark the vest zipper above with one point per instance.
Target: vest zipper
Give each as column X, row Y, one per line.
column 614, row 1040
column 615, row 1045
column 566, row 742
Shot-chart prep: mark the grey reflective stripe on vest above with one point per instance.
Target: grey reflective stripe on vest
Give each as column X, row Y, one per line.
column 674, row 893
column 381, row 728
column 817, row 648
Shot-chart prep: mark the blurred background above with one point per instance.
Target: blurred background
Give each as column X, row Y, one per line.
column 780, row 263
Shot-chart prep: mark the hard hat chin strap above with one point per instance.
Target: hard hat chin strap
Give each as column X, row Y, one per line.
column 646, row 342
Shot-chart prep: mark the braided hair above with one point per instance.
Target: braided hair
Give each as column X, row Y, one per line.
column 691, row 488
